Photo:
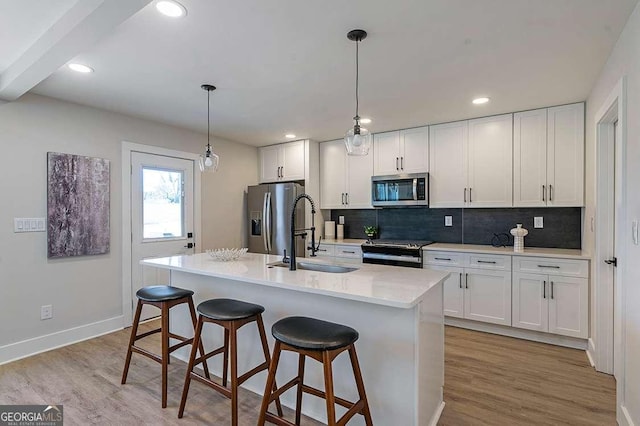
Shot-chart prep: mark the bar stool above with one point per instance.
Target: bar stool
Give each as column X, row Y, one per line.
column 231, row 315
column 322, row 341
column 163, row 297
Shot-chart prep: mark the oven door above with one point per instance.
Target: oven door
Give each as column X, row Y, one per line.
column 400, row 190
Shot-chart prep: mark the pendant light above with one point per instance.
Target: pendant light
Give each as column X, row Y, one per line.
column 209, row 160
column 358, row 139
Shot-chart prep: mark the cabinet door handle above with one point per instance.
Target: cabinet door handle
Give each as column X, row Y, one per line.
column 550, row 192
column 460, row 274
column 465, row 195
column 346, row 251
column 442, row 258
column 469, row 194
column 492, row 262
column 401, row 163
column 544, row 289
column 281, row 171
column 544, row 192
column 397, row 168
column 466, row 280
column 549, row 266
column 346, row 197
column 343, row 198
column 552, row 289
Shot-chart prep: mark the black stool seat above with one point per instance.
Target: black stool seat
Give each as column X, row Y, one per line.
column 228, row 309
column 313, row 334
column 162, row 293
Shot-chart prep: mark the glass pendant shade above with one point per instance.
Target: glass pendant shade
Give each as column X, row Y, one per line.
column 209, row 162
column 357, row 141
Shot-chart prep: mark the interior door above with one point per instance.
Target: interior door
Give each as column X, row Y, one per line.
column 162, row 220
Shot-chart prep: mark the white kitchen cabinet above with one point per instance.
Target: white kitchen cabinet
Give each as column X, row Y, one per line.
column 481, row 292
column 549, row 157
column 548, row 301
column 448, row 164
column 283, row 162
column 471, row 163
column 345, row 180
column 335, row 251
column 402, row 151
column 491, row 161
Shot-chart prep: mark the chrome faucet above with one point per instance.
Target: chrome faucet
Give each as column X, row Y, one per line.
column 300, row 232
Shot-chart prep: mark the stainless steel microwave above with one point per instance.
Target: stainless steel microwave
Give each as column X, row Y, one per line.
column 400, row 190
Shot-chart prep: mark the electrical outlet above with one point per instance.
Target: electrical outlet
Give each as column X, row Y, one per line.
column 448, row 221
column 46, row 312
column 538, row 222
column 340, row 220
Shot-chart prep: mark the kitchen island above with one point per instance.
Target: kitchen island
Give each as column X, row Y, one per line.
column 397, row 311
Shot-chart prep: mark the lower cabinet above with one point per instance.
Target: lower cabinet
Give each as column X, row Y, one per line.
column 551, row 303
column 349, row 253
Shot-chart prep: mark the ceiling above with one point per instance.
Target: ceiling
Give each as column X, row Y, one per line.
column 286, row 66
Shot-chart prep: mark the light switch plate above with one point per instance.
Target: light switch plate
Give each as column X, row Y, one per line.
column 538, row 222
column 29, row 224
column 448, row 221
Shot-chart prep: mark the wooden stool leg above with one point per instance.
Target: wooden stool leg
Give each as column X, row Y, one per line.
column 225, row 358
column 328, row 385
column 132, row 339
column 360, row 384
column 165, row 350
column 267, row 358
column 200, row 346
column 271, row 381
column 301, row 359
column 192, row 359
column 233, row 347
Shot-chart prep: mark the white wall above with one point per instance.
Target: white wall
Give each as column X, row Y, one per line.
column 624, row 60
column 85, row 290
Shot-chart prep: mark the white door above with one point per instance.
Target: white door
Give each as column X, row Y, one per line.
column 386, row 153
column 568, row 306
column 448, row 164
column 292, row 161
column 530, row 301
column 358, row 184
column 487, row 296
column 162, row 211
column 491, row 162
column 269, row 164
column 414, row 152
column 530, row 158
column 333, row 165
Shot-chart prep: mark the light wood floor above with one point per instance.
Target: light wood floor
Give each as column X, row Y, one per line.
column 496, row 380
column 489, row 380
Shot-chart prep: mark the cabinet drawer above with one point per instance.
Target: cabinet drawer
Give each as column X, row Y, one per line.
column 488, row 261
column 347, row 251
column 326, row 250
column 443, row 258
column 543, row 265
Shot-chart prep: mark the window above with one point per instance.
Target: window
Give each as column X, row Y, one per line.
column 162, row 203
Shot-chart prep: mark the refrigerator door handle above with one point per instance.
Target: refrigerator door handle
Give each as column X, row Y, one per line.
column 269, row 247
column 264, row 222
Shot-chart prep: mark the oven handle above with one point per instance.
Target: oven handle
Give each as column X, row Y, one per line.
column 411, row 259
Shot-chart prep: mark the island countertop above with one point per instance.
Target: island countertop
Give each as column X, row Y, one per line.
column 378, row 284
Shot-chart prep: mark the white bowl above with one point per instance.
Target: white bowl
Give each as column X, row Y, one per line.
column 227, row 254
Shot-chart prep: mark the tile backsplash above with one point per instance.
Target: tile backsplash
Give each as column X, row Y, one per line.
column 562, row 225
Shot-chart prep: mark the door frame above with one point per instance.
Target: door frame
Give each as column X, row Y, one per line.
column 127, row 149
column 609, row 310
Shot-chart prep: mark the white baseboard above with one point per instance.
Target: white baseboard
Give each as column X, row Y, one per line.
column 625, row 417
column 591, row 351
column 519, row 333
column 15, row 351
column 436, row 415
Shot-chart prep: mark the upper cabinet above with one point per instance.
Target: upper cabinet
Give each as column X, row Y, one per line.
column 345, row 180
column 549, row 157
column 401, row 151
column 283, row 162
column 471, row 163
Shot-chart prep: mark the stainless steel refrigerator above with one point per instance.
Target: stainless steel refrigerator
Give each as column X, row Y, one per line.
column 269, row 218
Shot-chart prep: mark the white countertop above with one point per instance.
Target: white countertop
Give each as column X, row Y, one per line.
column 346, row 241
column 533, row 251
column 383, row 285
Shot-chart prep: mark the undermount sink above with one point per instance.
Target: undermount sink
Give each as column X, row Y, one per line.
column 320, row 267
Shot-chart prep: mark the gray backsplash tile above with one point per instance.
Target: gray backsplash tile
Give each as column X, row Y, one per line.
column 562, row 226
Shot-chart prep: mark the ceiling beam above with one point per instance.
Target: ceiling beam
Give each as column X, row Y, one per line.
column 84, row 24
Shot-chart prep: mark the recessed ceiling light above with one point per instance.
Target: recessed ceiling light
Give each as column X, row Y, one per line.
column 290, row 136
column 480, row 101
column 80, row 68
column 365, row 120
column 171, row 8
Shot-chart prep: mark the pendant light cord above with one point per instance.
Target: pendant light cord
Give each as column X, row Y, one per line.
column 357, row 76
column 208, row 116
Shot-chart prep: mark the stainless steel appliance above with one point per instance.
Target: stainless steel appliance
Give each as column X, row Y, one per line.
column 269, row 214
column 400, row 190
column 406, row 253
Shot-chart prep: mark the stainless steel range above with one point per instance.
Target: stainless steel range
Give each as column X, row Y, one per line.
column 406, row 253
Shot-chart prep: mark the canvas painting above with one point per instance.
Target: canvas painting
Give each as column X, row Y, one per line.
column 77, row 205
